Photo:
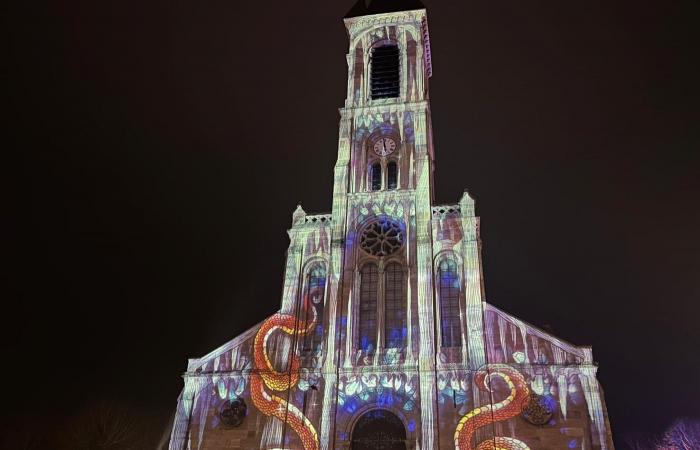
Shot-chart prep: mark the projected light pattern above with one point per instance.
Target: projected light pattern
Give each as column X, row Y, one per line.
column 511, row 406
column 384, row 390
column 316, row 287
column 268, row 378
column 383, row 310
column 453, row 389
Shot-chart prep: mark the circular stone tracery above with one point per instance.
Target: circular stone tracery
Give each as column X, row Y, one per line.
column 233, row 412
column 382, row 238
column 538, row 411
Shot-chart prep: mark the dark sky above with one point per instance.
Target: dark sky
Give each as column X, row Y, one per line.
column 163, row 146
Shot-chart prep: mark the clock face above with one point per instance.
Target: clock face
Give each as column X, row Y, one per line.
column 384, row 146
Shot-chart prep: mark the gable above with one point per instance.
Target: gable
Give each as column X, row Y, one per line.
column 235, row 355
column 513, row 341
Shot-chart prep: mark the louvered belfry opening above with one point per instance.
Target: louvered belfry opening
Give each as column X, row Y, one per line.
column 385, row 72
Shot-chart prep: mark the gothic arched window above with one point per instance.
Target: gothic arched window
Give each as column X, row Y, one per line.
column 392, row 175
column 375, row 176
column 449, row 293
column 394, row 306
column 315, row 292
column 385, row 71
column 369, row 279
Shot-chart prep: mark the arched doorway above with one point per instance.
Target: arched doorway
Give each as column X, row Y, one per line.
column 378, row 429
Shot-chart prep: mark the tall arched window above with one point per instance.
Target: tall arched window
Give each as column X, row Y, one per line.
column 392, row 175
column 394, row 307
column 315, row 292
column 375, row 176
column 448, row 291
column 369, row 278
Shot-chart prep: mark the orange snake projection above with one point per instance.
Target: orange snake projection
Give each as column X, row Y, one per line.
column 265, row 376
column 503, row 410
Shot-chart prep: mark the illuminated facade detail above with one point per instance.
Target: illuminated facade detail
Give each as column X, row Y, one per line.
column 384, row 338
column 382, row 237
column 315, row 290
column 448, row 297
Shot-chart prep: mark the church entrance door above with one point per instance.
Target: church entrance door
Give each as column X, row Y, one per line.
column 378, row 429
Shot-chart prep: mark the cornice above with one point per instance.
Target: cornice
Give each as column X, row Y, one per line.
column 388, row 107
column 356, row 25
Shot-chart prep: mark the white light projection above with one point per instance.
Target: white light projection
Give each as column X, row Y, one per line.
column 343, row 350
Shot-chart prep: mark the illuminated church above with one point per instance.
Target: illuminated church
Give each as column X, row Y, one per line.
column 383, row 339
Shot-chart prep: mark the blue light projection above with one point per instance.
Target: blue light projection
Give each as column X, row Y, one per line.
column 453, row 391
column 386, row 390
column 411, row 426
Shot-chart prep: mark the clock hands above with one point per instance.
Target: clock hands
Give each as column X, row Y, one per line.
column 385, row 148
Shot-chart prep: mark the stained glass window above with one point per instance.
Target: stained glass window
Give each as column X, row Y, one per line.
column 392, row 175
column 315, row 290
column 395, row 306
column 369, row 277
column 449, row 293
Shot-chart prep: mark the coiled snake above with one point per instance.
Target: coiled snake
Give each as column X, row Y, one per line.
column 266, row 376
column 478, row 417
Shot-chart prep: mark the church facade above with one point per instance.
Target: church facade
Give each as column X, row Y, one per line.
column 384, row 339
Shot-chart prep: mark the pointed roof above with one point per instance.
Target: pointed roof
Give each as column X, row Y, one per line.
column 361, row 8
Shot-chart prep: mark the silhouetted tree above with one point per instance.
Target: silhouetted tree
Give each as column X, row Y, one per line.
column 683, row 434
column 106, row 426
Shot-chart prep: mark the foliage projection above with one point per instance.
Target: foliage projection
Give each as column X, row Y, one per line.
column 503, row 410
column 383, row 309
column 384, row 390
column 267, row 377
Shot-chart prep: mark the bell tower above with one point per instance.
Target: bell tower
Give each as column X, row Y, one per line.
column 389, row 65
column 381, row 250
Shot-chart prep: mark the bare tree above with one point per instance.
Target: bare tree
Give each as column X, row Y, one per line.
column 105, row 426
column 683, row 434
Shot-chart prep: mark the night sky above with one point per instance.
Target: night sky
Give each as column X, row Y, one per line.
column 163, row 145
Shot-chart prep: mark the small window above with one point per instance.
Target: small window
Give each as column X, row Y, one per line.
column 385, row 72
column 392, row 175
column 449, row 292
column 375, row 175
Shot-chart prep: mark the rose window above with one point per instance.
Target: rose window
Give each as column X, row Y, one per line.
column 382, row 238
column 538, row 411
column 233, row 412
